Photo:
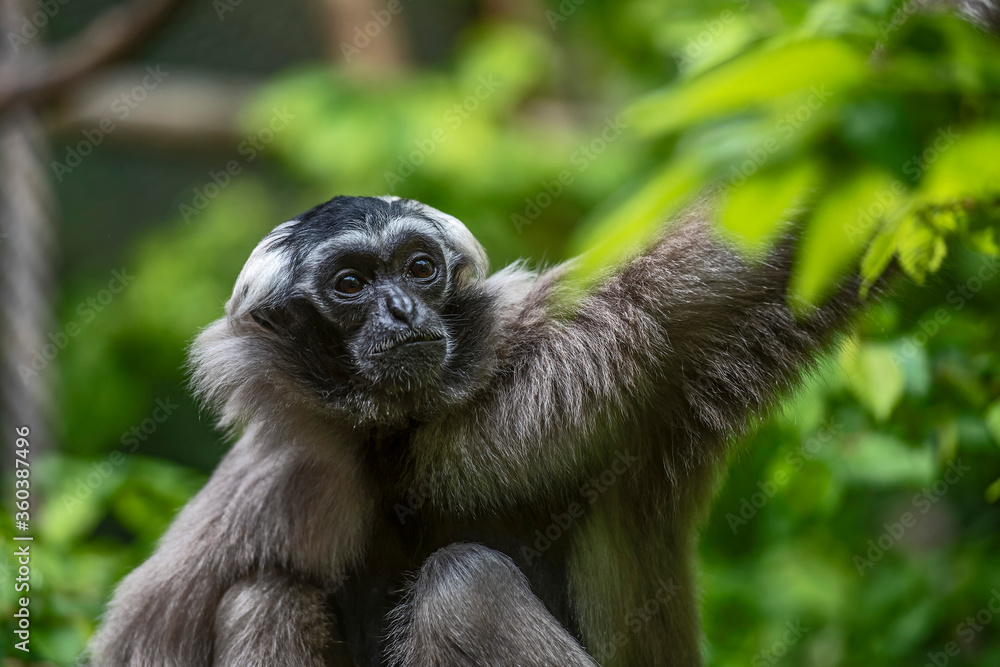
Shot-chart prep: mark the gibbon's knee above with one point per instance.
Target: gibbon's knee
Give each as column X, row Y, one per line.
column 463, row 581
column 271, row 620
column 471, row 605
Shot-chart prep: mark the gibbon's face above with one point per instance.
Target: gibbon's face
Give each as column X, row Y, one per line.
column 386, row 292
column 362, row 295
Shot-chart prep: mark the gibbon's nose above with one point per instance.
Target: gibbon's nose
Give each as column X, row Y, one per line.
column 401, row 306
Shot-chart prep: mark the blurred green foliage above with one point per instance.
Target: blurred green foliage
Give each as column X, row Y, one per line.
column 877, row 130
column 890, row 128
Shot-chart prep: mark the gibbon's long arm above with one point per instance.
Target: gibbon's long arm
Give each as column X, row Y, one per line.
column 279, row 519
column 689, row 331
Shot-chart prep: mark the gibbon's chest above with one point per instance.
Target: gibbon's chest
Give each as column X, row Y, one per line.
column 407, row 533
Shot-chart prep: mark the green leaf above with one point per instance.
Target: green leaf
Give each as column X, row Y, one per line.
column 962, row 165
column 921, row 249
column 913, row 362
column 992, row 421
column 838, row 232
column 879, row 254
column 946, row 437
column 627, row 227
column 876, row 378
column 84, row 488
column 755, row 211
column 984, row 241
column 993, row 492
column 880, row 459
column 820, row 67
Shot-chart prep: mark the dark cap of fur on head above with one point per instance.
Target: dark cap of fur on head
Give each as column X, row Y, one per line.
column 279, row 265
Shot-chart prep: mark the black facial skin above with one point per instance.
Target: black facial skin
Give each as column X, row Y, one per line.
column 387, row 308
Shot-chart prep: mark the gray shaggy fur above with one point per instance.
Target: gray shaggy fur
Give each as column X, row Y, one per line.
column 472, row 606
column 262, row 602
column 666, row 362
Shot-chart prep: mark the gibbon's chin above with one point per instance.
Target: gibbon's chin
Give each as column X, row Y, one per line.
column 406, row 365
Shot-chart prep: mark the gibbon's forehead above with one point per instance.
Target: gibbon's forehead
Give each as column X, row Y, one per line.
column 372, row 223
column 347, row 217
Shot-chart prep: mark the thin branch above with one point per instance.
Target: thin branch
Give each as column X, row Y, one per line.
column 197, row 111
column 110, row 36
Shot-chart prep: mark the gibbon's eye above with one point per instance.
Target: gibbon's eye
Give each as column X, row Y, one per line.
column 423, row 269
column 349, row 283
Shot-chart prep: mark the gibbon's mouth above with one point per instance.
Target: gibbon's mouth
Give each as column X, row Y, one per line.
column 411, row 338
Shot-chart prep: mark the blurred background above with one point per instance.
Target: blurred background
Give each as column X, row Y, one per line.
column 148, row 145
